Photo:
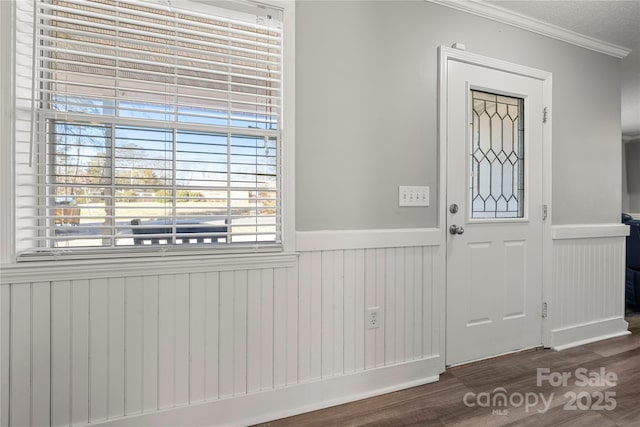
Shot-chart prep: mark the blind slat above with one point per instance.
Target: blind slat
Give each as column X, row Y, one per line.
column 153, row 126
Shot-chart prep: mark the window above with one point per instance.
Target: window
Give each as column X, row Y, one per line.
column 155, row 125
column 497, row 156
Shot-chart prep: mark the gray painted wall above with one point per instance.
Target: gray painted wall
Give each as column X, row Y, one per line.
column 366, row 112
column 630, row 72
column 625, row 189
column 632, row 157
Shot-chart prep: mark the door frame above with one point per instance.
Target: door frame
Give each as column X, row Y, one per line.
column 446, row 54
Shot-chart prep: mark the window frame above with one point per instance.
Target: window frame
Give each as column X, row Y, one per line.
column 8, row 228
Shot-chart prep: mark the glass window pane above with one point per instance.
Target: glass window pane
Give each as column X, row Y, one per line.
column 497, row 156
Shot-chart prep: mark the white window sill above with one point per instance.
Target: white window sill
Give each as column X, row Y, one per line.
column 36, row 271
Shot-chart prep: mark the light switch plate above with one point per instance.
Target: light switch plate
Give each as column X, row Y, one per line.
column 413, row 196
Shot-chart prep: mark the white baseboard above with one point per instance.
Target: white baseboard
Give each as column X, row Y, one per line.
column 586, row 333
column 292, row 400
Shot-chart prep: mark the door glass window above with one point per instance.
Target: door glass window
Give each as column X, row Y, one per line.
column 497, row 156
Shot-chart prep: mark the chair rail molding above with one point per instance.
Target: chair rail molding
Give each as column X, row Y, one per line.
column 587, row 231
column 362, row 239
column 45, row 271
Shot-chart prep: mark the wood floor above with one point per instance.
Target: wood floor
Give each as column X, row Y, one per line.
column 570, row 404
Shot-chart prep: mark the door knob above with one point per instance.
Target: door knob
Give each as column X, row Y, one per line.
column 455, row 229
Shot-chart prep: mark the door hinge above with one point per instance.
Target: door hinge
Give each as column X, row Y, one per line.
column 545, row 212
column 544, row 310
column 545, row 110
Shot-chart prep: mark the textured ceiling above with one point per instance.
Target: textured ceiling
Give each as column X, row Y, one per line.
column 612, row 21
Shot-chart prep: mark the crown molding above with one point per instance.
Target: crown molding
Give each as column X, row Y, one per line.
column 518, row 20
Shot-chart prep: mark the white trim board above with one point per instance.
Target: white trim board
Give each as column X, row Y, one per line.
column 533, row 25
column 573, row 336
column 292, row 400
column 288, row 152
column 589, row 231
column 7, row 129
column 47, row 271
column 365, row 239
column 631, row 138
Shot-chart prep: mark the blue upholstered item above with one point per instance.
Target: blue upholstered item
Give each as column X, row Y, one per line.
column 632, row 273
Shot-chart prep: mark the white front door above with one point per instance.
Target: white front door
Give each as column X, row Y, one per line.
column 494, row 212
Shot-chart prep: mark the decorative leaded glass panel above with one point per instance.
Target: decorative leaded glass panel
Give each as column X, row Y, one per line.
column 497, row 156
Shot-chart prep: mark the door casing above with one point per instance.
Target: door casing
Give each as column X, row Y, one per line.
column 446, row 55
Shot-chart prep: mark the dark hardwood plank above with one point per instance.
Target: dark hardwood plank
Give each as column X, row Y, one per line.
column 442, row 403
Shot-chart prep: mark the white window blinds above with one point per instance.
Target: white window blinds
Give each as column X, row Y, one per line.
column 154, row 126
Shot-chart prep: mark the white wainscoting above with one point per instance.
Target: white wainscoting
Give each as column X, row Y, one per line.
column 217, row 345
column 83, row 351
column 586, row 302
column 235, row 341
column 336, row 287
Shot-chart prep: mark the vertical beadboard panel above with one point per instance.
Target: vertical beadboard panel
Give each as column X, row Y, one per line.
column 291, row 303
column 560, row 269
column 400, row 300
column 304, row 316
column 327, row 328
column 428, row 277
column 588, row 277
column 41, row 362
column 418, row 308
column 5, row 348
column 267, row 325
column 116, row 321
column 98, row 349
column 20, row 388
column 349, row 306
column 316, row 315
column 212, row 321
column 134, row 333
column 277, row 327
column 338, row 312
column 409, row 307
column 360, row 285
column 379, row 292
column 240, row 336
column 5, row 333
column 197, row 341
column 79, row 351
column 182, row 337
column 369, row 301
column 390, row 308
column 166, row 341
column 558, row 275
column 61, row 352
column 254, row 329
column 227, row 333
column 150, row 357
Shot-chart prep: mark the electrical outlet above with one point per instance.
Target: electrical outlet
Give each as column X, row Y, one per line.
column 373, row 317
